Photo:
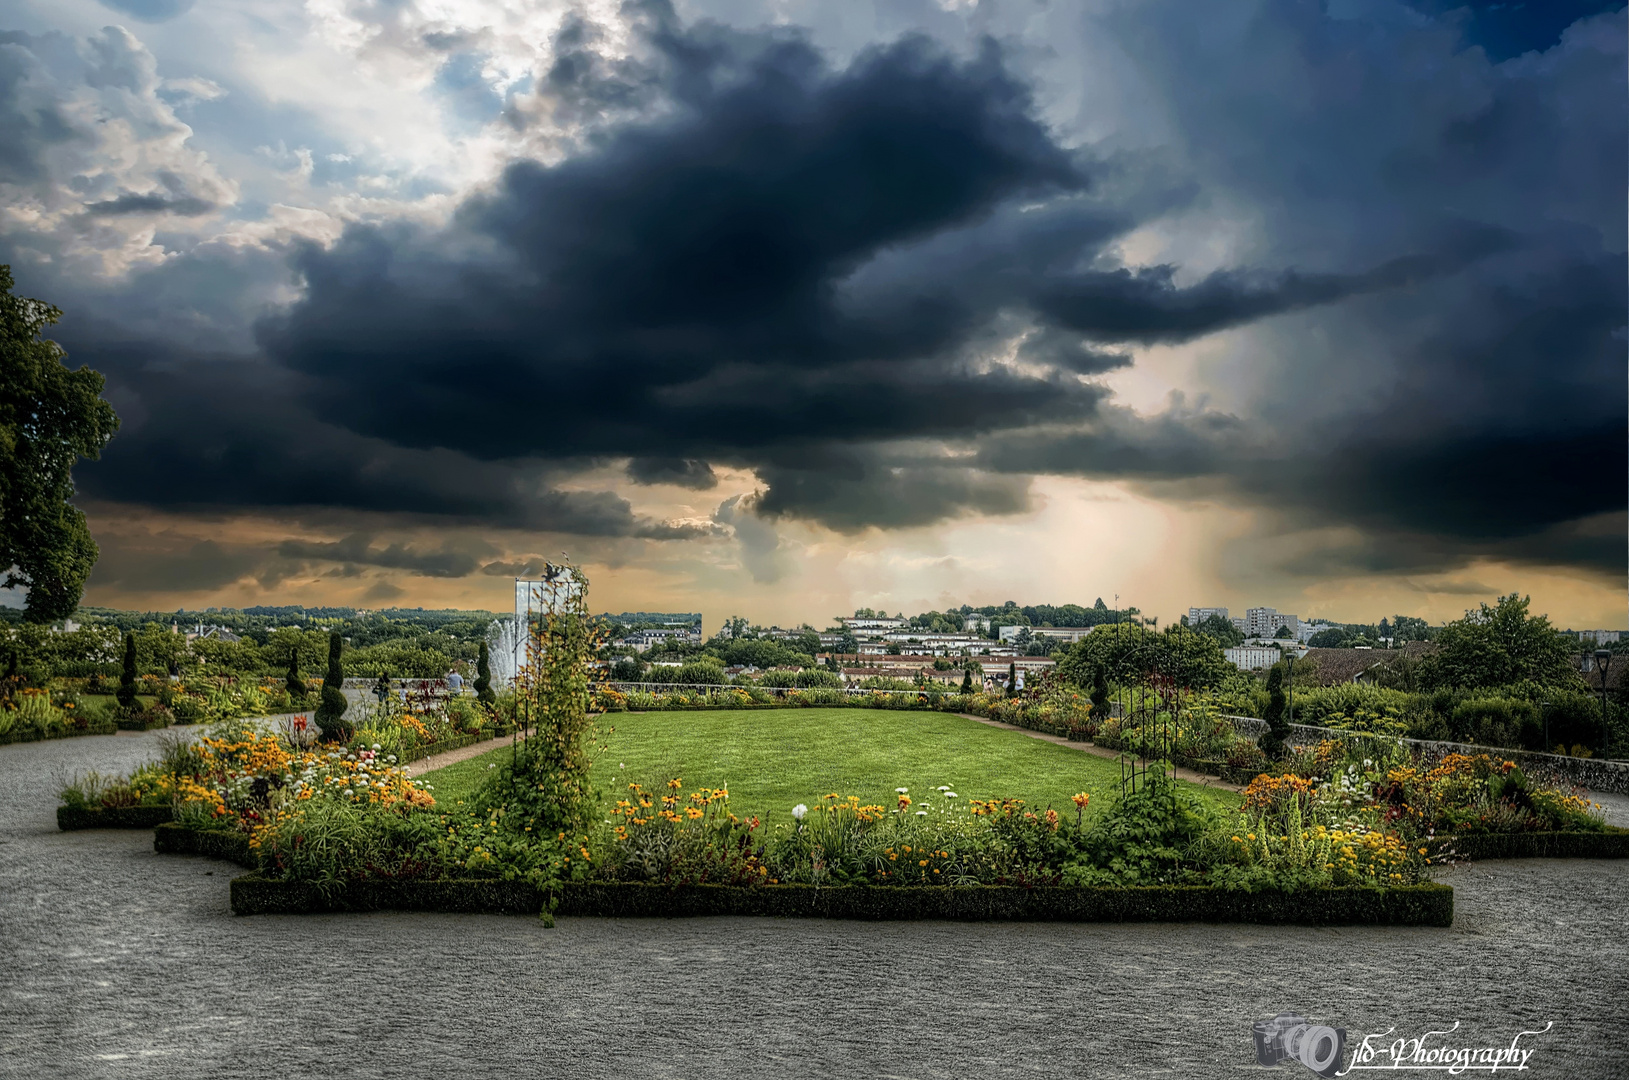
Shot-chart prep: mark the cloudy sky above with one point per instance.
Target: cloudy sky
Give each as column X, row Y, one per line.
column 783, row 308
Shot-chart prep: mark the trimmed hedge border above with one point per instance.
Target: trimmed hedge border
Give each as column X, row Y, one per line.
column 106, row 727
column 1411, row 905
column 172, row 839
column 1611, row 844
column 155, row 724
column 70, row 818
column 432, row 749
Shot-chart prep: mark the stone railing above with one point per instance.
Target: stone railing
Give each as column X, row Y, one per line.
column 1596, row 774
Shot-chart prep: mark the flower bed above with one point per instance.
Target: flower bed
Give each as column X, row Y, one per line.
column 1412, row 905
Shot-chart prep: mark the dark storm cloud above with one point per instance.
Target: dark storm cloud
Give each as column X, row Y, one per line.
column 184, row 205
column 1479, row 448
column 201, row 565
column 216, row 431
column 358, row 549
column 684, row 472
column 756, row 279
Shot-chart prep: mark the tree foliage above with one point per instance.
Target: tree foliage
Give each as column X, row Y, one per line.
column 1223, row 630
column 50, row 417
column 1128, row 652
column 1500, row 645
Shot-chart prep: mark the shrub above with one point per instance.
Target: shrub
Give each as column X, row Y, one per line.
column 1271, row 742
column 126, row 693
column 483, row 676
column 1142, row 839
column 330, row 716
column 292, row 681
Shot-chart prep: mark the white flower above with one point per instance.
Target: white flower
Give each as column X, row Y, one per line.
column 376, row 746
column 348, row 791
column 799, row 810
column 944, row 787
column 493, row 766
column 622, row 764
column 921, row 813
column 902, row 790
column 950, row 795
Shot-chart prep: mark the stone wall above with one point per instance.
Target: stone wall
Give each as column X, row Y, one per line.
column 1596, row 774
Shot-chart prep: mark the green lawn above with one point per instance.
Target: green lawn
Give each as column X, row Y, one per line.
column 772, row 760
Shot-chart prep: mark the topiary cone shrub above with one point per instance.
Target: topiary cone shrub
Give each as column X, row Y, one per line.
column 331, row 709
column 1100, row 692
column 483, row 678
column 295, row 684
column 1271, row 742
column 126, row 694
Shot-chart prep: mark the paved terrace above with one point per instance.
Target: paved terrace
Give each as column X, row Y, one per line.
column 116, row 962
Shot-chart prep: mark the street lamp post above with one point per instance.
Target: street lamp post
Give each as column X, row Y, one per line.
column 1289, row 657
column 1603, row 660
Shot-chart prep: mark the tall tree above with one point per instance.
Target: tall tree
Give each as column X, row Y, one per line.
column 1501, row 644
column 50, row 417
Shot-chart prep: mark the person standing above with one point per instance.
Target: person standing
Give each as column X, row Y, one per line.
column 455, row 683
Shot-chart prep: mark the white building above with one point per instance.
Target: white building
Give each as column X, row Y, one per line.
column 937, row 644
column 1267, row 622
column 1066, row 634
column 1197, row 615
column 640, row 640
column 1601, row 637
column 873, row 625
column 1252, row 658
column 976, row 623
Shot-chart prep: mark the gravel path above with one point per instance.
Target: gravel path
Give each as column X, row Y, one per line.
column 116, row 962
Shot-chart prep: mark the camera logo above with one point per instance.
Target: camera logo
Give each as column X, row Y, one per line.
column 1289, row 1037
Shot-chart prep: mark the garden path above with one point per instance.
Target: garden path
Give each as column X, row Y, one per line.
column 452, row 757
column 117, row 962
column 1103, row 751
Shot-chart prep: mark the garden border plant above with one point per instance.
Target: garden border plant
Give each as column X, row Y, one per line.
column 1428, row 904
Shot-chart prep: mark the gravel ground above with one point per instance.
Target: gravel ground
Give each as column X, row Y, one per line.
column 116, row 962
